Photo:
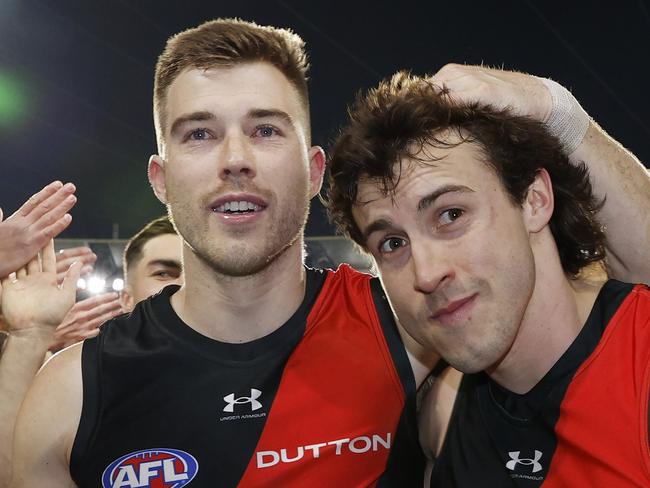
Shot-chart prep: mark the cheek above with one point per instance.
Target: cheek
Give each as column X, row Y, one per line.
column 144, row 286
column 401, row 294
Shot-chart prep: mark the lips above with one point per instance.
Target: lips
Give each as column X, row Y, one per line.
column 455, row 310
column 238, row 203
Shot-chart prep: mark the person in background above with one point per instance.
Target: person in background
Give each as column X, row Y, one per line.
column 85, row 316
column 22, row 235
column 152, row 260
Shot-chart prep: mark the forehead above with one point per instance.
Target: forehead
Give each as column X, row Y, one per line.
column 163, row 247
column 464, row 164
column 232, row 91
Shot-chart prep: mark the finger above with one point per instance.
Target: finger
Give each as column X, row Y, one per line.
column 1, row 214
column 53, row 215
column 49, row 258
column 81, row 313
column 86, row 270
column 62, row 268
column 91, row 325
column 39, row 197
column 9, row 279
column 33, row 266
column 65, row 257
column 92, row 302
column 71, row 337
column 71, row 277
column 56, row 228
column 72, row 252
column 104, row 309
column 57, row 204
column 91, row 333
column 21, row 273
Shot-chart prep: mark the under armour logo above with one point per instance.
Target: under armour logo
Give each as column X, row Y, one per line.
column 232, row 401
column 514, row 459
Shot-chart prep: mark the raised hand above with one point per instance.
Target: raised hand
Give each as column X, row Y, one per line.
column 29, row 229
column 84, row 318
column 32, row 299
column 65, row 257
column 522, row 93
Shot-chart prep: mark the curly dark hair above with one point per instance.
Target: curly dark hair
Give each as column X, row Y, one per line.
column 395, row 120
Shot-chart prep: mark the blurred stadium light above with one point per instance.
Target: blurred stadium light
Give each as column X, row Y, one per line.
column 321, row 252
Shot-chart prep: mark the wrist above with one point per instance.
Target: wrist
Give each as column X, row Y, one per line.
column 32, row 334
column 566, row 120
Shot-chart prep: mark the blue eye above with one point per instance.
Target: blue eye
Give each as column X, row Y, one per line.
column 199, row 134
column 265, row 131
column 448, row 216
column 391, row 244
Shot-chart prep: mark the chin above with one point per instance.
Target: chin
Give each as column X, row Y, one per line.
column 467, row 364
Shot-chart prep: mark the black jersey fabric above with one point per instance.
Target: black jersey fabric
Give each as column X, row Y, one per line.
column 164, row 406
column 555, row 434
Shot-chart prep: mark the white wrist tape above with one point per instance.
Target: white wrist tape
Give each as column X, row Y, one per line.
column 567, row 121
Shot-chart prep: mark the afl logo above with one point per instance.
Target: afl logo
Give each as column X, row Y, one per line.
column 159, row 468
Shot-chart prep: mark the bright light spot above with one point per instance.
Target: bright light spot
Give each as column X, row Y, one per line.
column 118, row 284
column 96, row 284
column 81, row 284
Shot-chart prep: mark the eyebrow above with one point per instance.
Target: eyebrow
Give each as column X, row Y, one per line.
column 423, row 204
column 434, row 195
column 377, row 225
column 168, row 263
column 193, row 117
column 203, row 116
column 262, row 113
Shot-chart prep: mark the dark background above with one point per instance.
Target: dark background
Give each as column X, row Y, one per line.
column 76, row 78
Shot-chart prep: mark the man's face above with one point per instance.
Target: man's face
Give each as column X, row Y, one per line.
column 159, row 266
column 238, row 174
column 453, row 254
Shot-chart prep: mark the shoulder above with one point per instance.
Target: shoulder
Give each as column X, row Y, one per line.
column 346, row 279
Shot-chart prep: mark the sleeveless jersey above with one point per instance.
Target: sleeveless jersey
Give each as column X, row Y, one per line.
column 585, row 424
column 328, row 399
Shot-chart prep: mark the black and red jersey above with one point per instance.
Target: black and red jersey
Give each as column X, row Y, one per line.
column 325, row 400
column 585, row 424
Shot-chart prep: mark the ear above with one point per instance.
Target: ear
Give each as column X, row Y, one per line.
column 126, row 299
column 539, row 203
column 316, row 169
column 156, row 174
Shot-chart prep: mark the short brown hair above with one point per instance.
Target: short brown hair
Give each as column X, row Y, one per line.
column 406, row 112
column 133, row 250
column 226, row 43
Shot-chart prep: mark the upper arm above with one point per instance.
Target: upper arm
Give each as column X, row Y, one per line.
column 624, row 183
column 47, row 424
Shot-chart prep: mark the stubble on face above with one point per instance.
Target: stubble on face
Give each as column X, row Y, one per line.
column 491, row 258
column 236, row 254
column 279, row 173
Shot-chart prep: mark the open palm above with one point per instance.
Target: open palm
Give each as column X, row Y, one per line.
column 32, row 298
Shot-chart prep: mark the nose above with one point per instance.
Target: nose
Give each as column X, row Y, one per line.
column 237, row 157
column 432, row 268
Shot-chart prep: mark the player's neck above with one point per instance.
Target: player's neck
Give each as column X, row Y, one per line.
column 241, row 309
column 555, row 315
